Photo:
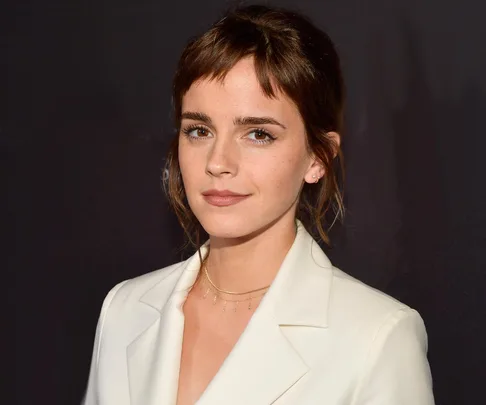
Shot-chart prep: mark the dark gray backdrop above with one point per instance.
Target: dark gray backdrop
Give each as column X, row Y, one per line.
column 87, row 124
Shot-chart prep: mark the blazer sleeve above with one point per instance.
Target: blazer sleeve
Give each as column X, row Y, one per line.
column 397, row 371
column 91, row 394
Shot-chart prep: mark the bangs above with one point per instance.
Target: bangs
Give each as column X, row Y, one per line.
column 278, row 61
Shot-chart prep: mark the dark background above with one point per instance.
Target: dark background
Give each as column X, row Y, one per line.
column 86, row 124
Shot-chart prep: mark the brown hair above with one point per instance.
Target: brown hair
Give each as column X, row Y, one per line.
column 301, row 60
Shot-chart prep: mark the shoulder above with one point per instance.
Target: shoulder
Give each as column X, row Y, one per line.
column 372, row 313
column 351, row 293
column 386, row 339
column 131, row 290
column 124, row 312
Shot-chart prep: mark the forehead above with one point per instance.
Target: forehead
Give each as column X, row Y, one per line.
column 239, row 93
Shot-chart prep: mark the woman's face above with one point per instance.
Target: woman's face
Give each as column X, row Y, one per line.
column 235, row 138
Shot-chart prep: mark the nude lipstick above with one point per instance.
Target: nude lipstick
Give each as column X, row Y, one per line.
column 223, row 198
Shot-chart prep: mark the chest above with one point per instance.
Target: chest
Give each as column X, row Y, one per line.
column 210, row 335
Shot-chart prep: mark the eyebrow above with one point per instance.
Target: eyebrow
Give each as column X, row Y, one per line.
column 199, row 116
column 257, row 121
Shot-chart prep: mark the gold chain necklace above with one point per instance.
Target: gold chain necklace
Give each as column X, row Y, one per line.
column 236, row 297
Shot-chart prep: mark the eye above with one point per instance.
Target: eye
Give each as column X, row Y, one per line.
column 261, row 136
column 196, row 132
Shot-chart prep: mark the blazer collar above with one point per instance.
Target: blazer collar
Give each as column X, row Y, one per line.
column 299, row 292
column 153, row 357
column 298, row 296
column 177, row 281
column 301, row 289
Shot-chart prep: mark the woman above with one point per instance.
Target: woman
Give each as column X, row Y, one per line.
column 258, row 315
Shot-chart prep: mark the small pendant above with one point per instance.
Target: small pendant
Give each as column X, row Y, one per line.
column 249, row 304
column 214, row 299
column 224, row 306
column 206, row 293
column 236, row 306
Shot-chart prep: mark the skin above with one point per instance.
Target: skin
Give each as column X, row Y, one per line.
column 248, row 240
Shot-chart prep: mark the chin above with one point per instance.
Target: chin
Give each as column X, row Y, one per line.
column 226, row 226
column 236, row 221
column 235, row 225
column 225, row 222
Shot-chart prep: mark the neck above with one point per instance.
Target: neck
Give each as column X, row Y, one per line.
column 253, row 261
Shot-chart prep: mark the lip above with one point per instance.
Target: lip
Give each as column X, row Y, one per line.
column 223, row 198
column 222, row 193
column 220, row 201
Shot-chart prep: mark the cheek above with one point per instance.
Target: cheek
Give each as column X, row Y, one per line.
column 189, row 160
column 281, row 174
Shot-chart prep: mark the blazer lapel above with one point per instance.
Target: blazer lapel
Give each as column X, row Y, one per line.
column 260, row 368
column 154, row 356
column 265, row 362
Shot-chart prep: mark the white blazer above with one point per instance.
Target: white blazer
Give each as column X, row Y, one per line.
column 319, row 336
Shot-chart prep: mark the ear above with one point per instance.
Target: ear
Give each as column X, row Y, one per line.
column 315, row 172
column 335, row 139
column 316, row 169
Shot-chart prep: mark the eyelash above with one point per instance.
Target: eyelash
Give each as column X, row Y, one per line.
column 186, row 131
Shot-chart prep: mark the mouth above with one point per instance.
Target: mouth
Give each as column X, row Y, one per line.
column 224, row 200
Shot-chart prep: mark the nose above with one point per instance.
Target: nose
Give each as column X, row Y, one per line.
column 222, row 158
